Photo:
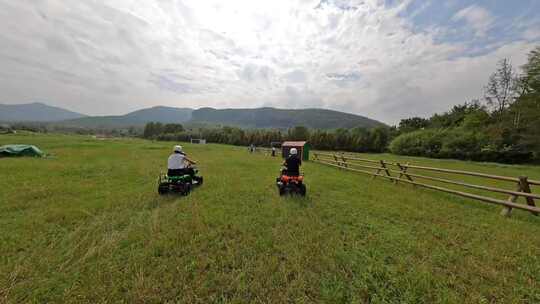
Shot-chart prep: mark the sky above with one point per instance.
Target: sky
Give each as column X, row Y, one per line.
column 386, row 60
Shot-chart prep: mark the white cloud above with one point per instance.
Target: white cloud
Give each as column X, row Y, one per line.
column 531, row 34
column 479, row 18
column 113, row 56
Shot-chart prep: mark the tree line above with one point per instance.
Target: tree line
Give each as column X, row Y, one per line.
column 503, row 126
column 357, row 139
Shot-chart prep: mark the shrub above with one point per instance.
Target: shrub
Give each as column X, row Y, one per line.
column 457, row 144
column 461, row 144
column 418, row 143
column 180, row 136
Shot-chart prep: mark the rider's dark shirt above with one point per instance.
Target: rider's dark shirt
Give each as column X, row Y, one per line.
column 293, row 165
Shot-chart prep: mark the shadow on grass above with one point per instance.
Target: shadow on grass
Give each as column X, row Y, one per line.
column 516, row 214
column 152, row 148
column 163, row 200
column 298, row 200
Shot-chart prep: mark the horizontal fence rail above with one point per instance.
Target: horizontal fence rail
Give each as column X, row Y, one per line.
column 398, row 172
column 267, row 151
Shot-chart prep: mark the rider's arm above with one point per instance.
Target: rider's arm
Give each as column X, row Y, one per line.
column 189, row 160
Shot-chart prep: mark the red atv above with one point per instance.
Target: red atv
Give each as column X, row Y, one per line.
column 290, row 184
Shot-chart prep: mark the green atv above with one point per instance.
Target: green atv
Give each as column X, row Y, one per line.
column 182, row 184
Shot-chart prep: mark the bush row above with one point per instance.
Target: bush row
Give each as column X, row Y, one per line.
column 457, row 144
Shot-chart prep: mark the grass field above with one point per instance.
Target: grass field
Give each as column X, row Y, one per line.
column 86, row 225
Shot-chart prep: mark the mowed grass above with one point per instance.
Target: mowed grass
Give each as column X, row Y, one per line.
column 86, row 225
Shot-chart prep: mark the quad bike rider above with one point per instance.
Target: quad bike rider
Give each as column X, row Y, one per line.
column 291, row 181
column 181, row 176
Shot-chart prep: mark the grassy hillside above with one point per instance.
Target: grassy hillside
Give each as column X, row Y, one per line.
column 102, row 122
column 37, row 112
column 283, row 118
column 162, row 114
column 136, row 118
column 247, row 118
column 86, row 225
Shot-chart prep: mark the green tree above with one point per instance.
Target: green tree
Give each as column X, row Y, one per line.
column 379, row 139
column 502, row 88
column 173, row 128
column 413, row 124
column 526, row 110
column 342, row 139
column 475, row 121
column 152, row 129
column 456, row 116
column 298, row 133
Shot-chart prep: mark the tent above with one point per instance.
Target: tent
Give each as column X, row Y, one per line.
column 20, row 150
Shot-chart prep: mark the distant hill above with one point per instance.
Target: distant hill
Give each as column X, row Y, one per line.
column 37, row 112
column 136, row 118
column 161, row 114
column 245, row 118
column 282, row 118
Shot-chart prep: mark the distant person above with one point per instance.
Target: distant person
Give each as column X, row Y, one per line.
column 293, row 163
column 273, row 151
column 251, row 148
column 178, row 164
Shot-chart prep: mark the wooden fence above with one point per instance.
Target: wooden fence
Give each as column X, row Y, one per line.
column 268, row 151
column 399, row 172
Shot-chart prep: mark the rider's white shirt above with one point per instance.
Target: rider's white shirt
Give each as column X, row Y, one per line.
column 176, row 161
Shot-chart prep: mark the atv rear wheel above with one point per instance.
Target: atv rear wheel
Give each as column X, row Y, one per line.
column 187, row 189
column 163, row 189
column 303, row 190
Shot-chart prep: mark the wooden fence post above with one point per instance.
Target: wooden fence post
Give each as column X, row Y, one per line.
column 512, row 198
column 344, row 161
column 403, row 170
column 337, row 160
column 375, row 175
column 522, row 186
column 527, row 189
column 383, row 167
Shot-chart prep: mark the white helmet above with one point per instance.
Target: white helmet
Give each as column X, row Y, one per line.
column 294, row 151
column 177, row 149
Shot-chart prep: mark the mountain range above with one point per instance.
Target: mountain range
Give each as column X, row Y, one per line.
column 136, row 118
column 246, row 118
column 35, row 112
column 282, row 118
